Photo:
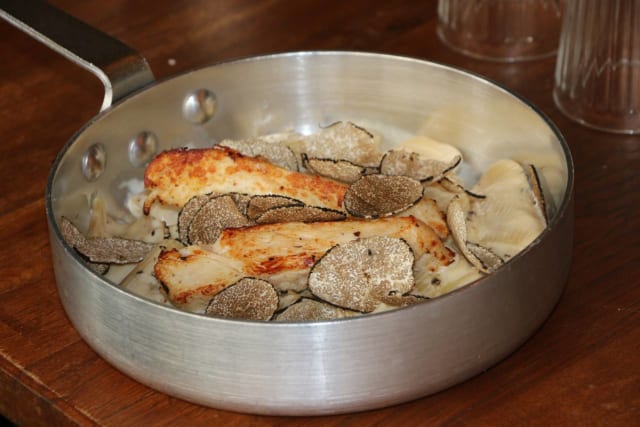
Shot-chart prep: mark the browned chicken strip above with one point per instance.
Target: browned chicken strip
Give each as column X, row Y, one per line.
column 194, row 274
column 174, row 176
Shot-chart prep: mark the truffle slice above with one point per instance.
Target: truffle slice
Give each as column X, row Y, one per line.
column 342, row 140
column 536, row 188
column 249, row 298
column 259, row 204
column 104, row 250
column 398, row 301
column 340, row 170
column 99, row 268
column 374, row 196
column 360, row 274
column 489, row 259
column 188, row 211
column 457, row 221
column 307, row 309
column 275, row 152
column 401, row 162
column 242, row 202
column 299, row 214
column 454, row 186
column 218, row 213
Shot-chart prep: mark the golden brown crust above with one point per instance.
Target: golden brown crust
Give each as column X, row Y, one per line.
column 174, row 176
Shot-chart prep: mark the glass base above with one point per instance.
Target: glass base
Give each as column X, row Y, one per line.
column 493, row 53
column 596, row 120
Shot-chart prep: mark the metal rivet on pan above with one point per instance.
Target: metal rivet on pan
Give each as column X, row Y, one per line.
column 142, row 148
column 94, row 161
column 199, row 106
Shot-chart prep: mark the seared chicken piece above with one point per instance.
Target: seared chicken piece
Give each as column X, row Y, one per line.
column 174, row 176
column 427, row 211
column 194, row 274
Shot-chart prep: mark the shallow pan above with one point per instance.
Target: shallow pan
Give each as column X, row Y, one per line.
column 317, row 367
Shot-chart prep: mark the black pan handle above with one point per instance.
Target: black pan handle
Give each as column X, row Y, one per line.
column 120, row 68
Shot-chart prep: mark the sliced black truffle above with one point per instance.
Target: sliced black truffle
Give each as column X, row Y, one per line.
column 406, row 163
column 340, row 170
column 307, row 309
column 259, row 204
column 489, row 259
column 361, row 274
column 536, row 188
column 188, row 211
column 299, row 214
column 242, row 146
column 403, row 300
column 457, row 222
column 374, row 196
column 249, row 298
column 99, row 268
column 71, row 234
column 455, row 187
column 218, row 213
column 242, row 201
column 276, row 153
column 104, row 250
column 346, row 141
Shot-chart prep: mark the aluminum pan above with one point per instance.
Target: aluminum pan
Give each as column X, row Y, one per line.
column 320, row 367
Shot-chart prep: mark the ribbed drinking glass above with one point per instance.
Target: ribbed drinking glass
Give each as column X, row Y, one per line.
column 597, row 80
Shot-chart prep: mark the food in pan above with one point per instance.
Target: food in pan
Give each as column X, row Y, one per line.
column 281, row 253
column 291, row 227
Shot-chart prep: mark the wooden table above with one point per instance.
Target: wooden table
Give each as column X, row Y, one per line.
column 581, row 368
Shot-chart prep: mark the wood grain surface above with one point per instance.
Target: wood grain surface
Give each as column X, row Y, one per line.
column 581, row 368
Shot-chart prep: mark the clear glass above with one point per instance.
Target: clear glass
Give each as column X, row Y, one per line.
column 597, row 80
column 501, row 30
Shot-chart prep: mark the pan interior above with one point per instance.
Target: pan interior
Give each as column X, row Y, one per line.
column 395, row 97
column 317, row 367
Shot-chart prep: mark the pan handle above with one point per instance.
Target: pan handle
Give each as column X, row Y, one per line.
column 120, row 68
